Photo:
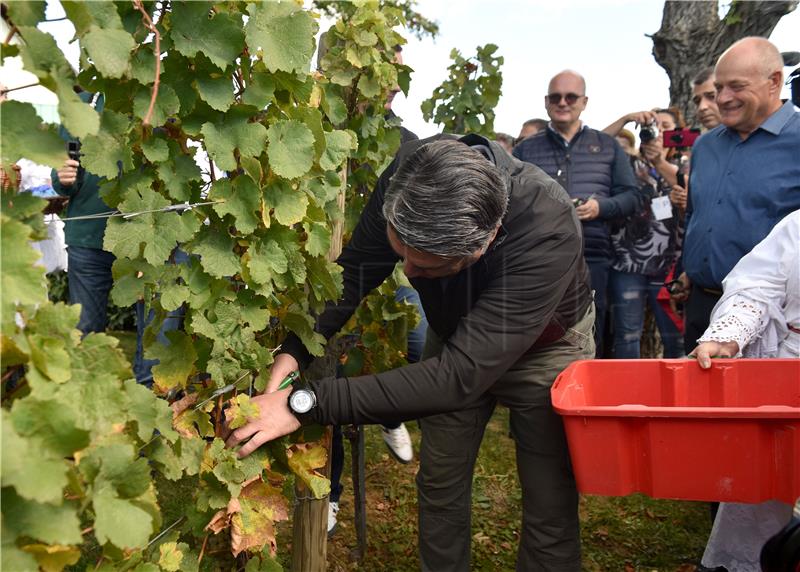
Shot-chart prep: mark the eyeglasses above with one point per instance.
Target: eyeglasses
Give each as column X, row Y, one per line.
column 555, row 98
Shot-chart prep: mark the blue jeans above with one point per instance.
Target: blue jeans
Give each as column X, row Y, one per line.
column 142, row 368
column 90, row 281
column 629, row 293
column 598, row 275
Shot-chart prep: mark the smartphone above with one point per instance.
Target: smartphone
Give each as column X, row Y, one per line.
column 680, row 137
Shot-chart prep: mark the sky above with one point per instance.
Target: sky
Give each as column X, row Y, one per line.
column 605, row 40
column 602, row 39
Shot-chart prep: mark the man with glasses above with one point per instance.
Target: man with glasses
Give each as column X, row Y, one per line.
column 592, row 168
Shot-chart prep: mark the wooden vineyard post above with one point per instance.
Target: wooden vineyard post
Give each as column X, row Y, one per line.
column 310, row 519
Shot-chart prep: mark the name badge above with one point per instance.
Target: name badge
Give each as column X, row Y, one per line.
column 662, row 208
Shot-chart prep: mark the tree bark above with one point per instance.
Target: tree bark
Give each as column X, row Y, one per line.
column 692, row 36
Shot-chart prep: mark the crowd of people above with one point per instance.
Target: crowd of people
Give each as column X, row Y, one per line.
column 528, row 254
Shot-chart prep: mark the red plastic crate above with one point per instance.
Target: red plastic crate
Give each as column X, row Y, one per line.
column 669, row 429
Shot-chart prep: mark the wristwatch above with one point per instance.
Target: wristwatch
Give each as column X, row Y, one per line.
column 302, row 401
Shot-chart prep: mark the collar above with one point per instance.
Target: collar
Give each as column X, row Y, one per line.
column 560, row 137
column 773, row 124
column 778, row 120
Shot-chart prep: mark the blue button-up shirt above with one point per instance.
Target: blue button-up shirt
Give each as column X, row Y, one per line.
column 739, row 190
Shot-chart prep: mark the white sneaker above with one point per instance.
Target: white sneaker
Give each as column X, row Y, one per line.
column 333, row 510
column 399, row 443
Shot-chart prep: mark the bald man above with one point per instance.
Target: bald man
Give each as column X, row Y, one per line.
column 745, row 174
column 593, row 169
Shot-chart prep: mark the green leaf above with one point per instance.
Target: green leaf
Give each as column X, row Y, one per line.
column 84, row 15
column 261, row 89
column 289, row 205
column 77, row 116
column 242, row 199
column 284, row 31
column 303, row 325
column 26, row 13
column 22, row 282
column 216, row 252
column 155, row 149
column 42, row 57
column 333, row 105
column 319, row 238
column 167, row 104
column 45, row 522
column 11, row 557
column 51, row 423
column 155, row 234
column 176, row 361
column 218, row 36
column 215, row 88
column 50, row 358
column 241, row 411
column 291, row 148
column 266, row 260
column 103, row 152
column 34, row 472
column 130, row 277
column 119, row 521
column 178, row 174
column 109, row 49
column 326, row 278
column 150, row 413
column 24, row 135
column 170, row 557
column 338, row 145
column 234, row 133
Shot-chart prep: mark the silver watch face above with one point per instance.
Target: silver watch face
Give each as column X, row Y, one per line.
column 302, row 401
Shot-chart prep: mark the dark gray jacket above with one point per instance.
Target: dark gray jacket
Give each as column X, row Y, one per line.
column 529, row 287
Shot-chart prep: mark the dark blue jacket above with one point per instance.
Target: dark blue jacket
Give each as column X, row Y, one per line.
column 592, row 165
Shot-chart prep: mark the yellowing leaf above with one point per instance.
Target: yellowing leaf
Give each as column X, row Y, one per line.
column 304, row 459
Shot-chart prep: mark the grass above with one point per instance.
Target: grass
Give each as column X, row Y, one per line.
column 630, row 534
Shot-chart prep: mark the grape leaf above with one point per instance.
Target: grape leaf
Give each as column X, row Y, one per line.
column 338, row 145
column 170, row 557
column 290, row 148
column 288, row 203
column 319, row 238
column 167, row 104
column 303, row 325
column 53, row 558
column 25, row 135
column 253, row 527
column 304, row 460
column 216, row 252
column 34, row 472
column 26, row 13
column 150, row 413
column 22, row 282
column 84, row 15
column 120, row 521
column 155, row 149
column 49, row 356
column 284, row 32
column 261, row 89
column 176, row 361
column 266, row 260
column 109, row 49
column 48, row 523
column 52, row 424
column 103, row 152
column 214, row 87
column 242, row 199
column 154, row 234
column 11, row 557
column 178, row 174
column 233, row 133
column 218, row 36
column 241, row 411
column 42, row 57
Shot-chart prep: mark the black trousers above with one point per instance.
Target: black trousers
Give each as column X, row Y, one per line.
column 697, row 315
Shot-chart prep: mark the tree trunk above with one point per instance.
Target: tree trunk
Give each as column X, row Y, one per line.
column 692, row 36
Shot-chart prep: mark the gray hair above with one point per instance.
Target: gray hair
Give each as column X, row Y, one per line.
column 446, row 199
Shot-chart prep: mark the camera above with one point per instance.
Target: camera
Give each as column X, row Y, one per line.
column 74, row 150
column 648, row 132
column 680, row 137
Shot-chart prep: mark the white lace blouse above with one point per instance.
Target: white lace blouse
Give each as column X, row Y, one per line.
column 762, row 297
